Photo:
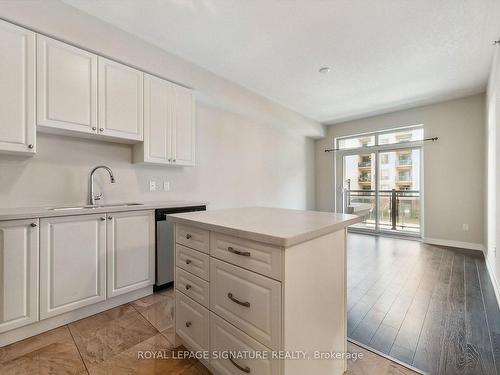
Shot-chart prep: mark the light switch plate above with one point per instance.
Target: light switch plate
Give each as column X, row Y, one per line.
column 152, row 185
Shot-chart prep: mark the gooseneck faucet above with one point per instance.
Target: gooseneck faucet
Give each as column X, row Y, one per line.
column 92, row 197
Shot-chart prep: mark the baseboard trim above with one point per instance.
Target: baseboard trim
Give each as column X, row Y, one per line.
column 459, row 244
column 41, row 326
column 493, row 279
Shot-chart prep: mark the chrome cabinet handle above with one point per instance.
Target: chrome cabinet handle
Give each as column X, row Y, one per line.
column 188, row 324
column 103, row 218
column 110, row 217
column 94, row 128
column 188, row 236
column 188, row 261
column 101, row 129
column 31, row 145
column 245, row 369
column 188, row 286
column 237, row 252
column 230, row 296
column 34, row 225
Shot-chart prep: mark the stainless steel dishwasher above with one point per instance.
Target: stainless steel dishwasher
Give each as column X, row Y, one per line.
column 165, row 245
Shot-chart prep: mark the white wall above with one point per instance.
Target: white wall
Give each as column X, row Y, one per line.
column 239, row 164
column 250, row 151
column 492, row 201
column 453, row 166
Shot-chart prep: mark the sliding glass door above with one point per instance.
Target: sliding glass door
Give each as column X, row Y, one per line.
column 384, row 177
column 399, row 190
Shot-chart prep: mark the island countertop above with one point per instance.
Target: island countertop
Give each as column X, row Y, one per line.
column 275, row 226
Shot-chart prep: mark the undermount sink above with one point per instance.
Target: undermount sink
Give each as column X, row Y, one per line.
column 71, row 208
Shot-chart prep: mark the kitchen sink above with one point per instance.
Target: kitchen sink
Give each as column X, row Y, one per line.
column 74, row 208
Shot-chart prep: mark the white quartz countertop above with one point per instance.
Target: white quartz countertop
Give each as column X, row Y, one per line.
column 275, row 226
column 36, row 212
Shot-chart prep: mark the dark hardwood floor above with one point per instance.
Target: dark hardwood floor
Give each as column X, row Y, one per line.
column 431, row 307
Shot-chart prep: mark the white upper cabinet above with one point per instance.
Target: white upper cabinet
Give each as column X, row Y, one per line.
column 120, row 100
column 183, row 134
column 66, row 87
column 17, row 94
column 159, row 96
column 18, row 273
column 169, row 129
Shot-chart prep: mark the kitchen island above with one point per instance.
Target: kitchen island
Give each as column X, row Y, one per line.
column 263, row 290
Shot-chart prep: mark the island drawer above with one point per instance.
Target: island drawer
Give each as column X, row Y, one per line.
column 191, row 322
column 193, row 237
column 224, row 337
column 192, row 286
column 249, row 301
column 255, row 256
column 192, row 261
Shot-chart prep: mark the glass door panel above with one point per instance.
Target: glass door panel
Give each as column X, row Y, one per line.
column 359, row 186
column 399, row 190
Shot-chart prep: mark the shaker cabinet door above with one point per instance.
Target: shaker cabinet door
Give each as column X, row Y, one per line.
column 72, row 263
column 130, row 251
column 17, row 94
column 18, row 273
column 66, row 87
column 120, row 100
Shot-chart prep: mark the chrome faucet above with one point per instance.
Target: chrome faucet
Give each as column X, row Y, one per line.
column 92, row 198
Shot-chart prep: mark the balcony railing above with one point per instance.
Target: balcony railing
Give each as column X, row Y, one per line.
column 397, row 209
column 364, row 178
column 363, row 164
column 403, row 162
column 403, row 178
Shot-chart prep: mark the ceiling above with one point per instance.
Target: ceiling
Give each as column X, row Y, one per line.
column 384, row 55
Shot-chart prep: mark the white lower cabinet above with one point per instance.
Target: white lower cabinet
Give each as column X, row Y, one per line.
column 226, row 339
column 18, row 273
column 130, row 251
column 72, row 263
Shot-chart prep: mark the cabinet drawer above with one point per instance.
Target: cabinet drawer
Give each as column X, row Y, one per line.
column 249, row 301
column 192, row 286
column 193, row 261
column 191, row 322
column 192, row 237
column 225, row 337
column 254, row 256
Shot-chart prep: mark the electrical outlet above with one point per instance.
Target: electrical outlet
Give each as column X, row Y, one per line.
column 465, row 227
column 152, row 185
column 166, row 186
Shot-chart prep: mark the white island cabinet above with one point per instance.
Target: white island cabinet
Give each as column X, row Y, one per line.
column 262, row 280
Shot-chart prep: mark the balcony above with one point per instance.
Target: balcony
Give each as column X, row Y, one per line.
column 403, row 179
column 365, row 179
column 404, row 163
column 364, row 164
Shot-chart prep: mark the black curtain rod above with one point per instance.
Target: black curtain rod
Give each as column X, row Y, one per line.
column 421, row 140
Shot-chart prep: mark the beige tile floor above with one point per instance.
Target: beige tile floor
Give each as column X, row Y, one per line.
column 108, row 343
